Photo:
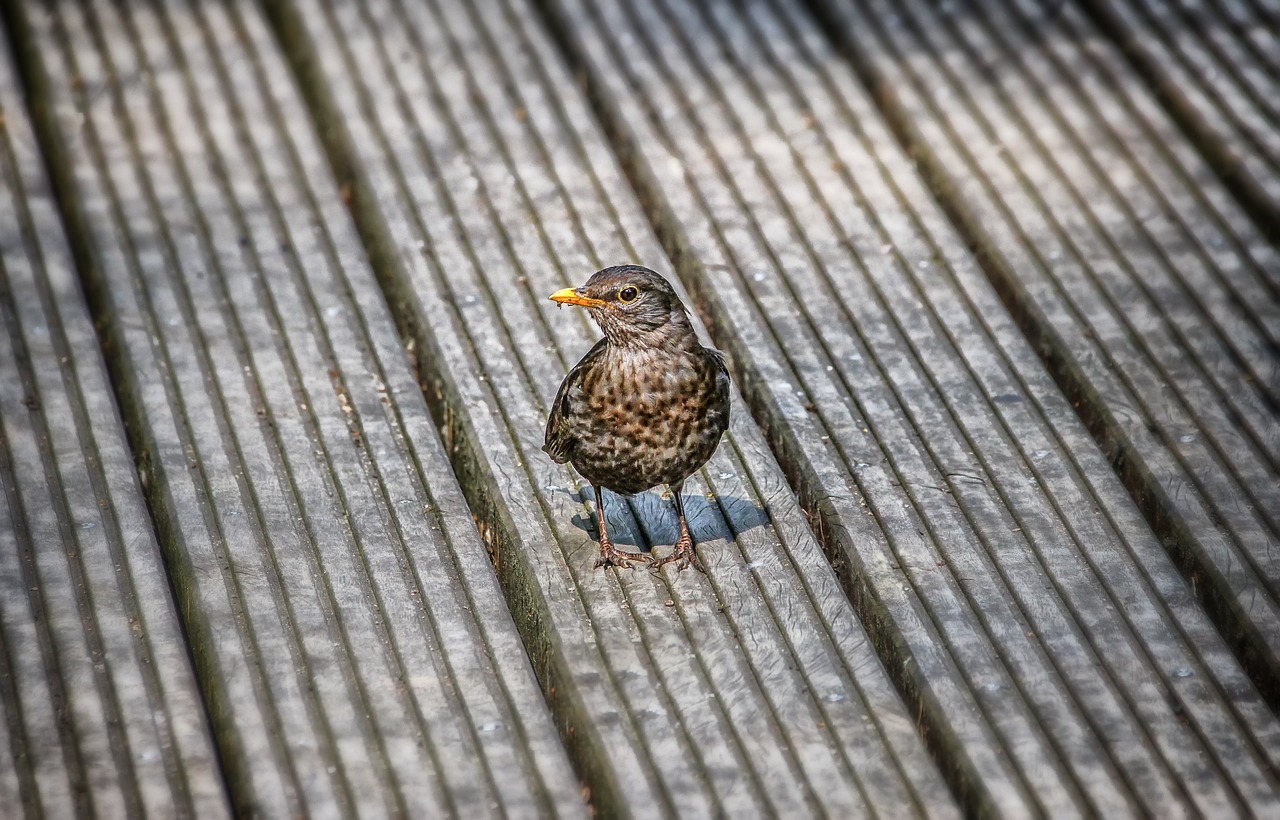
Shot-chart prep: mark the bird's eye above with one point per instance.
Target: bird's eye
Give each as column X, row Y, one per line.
column 628, row 294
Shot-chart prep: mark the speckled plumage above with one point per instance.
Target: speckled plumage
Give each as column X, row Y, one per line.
column 647, row 405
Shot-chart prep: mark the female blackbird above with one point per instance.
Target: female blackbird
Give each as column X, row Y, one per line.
column 646, row 406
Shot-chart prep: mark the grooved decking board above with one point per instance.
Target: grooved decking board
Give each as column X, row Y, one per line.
column 1147, row 288
column 1216, row 67
column 346, row 622
column 99, row 710
column 483, row 185
column 1056, row 658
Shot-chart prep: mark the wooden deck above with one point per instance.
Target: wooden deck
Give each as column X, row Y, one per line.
column 996, row 528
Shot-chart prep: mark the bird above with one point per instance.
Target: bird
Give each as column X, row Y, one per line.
column 647, row 405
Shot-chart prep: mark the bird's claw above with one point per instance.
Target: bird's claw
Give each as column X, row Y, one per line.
column 684, row 555
column 611, row 556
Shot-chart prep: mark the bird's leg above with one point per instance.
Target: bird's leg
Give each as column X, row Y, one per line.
column 685, row 554
column 609, row 554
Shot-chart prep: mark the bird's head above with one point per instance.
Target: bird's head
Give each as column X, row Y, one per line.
column 634, row 306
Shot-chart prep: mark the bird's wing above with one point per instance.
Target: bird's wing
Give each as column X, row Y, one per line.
column 721, row 366
column 723, row 390
column 559, row 435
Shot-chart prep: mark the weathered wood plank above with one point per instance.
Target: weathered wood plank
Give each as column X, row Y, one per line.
column 483, row 185
column 1216, row 67
column 1145, row 284
column 1032, row 615
column 346, row 622
column 100, row 709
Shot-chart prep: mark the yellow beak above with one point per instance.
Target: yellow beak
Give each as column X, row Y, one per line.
column 570, row 296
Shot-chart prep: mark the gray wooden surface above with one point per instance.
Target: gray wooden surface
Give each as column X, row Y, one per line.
column 840, row 287
column 99, row 708
column 1216, row 68
column 1152, row 294
column 355, row 653
column 994, row 529
column 486, row 187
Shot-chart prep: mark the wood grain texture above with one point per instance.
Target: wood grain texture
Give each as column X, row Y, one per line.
column 99, row 709
column 1216, row 68
column 482, row 185
column 1145, row 285
column 345, row 620
column 1026, row 607
column 993, row 532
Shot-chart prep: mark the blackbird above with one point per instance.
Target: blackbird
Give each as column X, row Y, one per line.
column 646, row 406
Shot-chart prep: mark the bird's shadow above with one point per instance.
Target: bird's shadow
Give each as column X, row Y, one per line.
column 647, row 519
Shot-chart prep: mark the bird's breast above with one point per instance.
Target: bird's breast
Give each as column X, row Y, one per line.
column 653, row 419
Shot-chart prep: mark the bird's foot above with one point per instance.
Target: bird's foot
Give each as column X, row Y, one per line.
column 611, row 556
column 684, row 555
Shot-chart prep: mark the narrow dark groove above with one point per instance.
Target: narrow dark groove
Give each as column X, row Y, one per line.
column 1067, row 374
column 461, row 444
column 1122, row 693
column 1231, row 169
column 240, row 318
column 232, row 444
column 632, row 523
column 1211, row 373
column 370, row 463
column 466, row 459
column 824, row 523
column 119, row 377
column 35, row 604
column 46, row 437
